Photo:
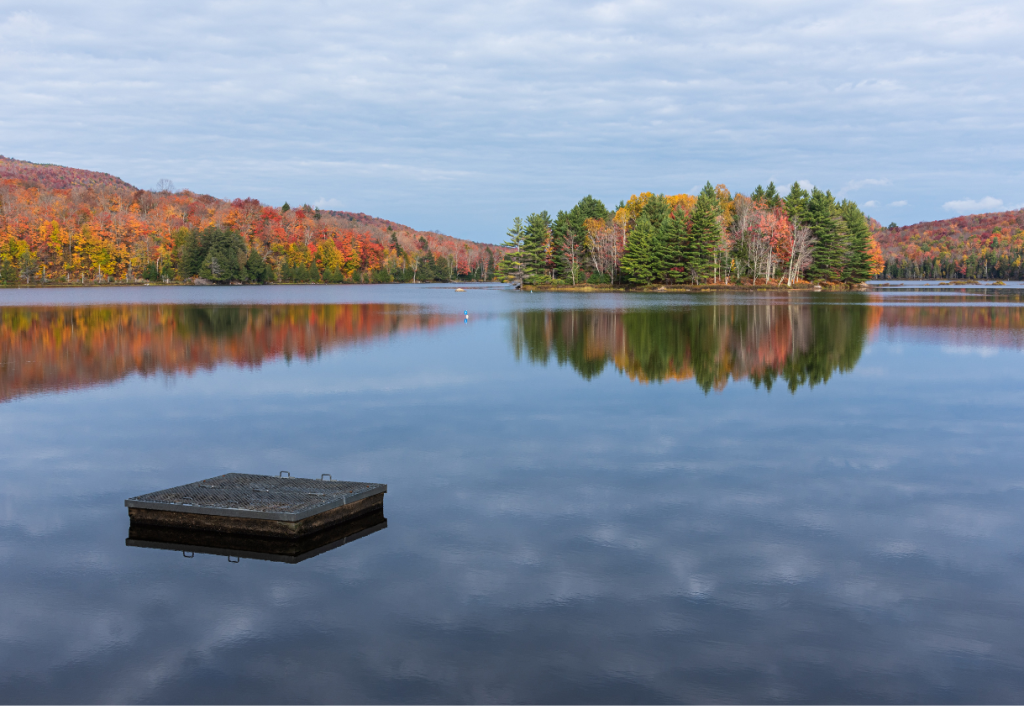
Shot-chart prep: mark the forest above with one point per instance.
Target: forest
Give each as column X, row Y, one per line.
column 64, row 225
column 972, row 247
column 715, row 237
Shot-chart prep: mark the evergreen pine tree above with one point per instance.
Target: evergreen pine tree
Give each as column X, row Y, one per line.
column 638, row 260
column 771, row 196
column 821, row 216
column 857, row 264
column 511, row 266
column 427, row 272
column 223, row 261
column 256, row 269
column 674, row 242
column 536, row 237
column 560, row 230
column 796, row 203
column 192, row 251
column 660, row 258
column 704, row 235
column 588, row 208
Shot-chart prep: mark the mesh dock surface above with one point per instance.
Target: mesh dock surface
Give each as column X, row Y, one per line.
column 257, row 497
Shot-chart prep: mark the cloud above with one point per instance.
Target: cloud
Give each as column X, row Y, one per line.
column 974, row 206
column 898, row 203
column 871, row 203
column 854, row 185
column 461, row 115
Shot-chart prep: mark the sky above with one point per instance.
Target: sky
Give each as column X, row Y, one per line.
column 458, row 116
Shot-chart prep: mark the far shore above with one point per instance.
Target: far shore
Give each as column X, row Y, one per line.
column 686, row 288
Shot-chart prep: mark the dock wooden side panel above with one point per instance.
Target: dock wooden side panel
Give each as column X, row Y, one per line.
column 256, row 527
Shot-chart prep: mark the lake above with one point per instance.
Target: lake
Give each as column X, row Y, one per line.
column 592, row 498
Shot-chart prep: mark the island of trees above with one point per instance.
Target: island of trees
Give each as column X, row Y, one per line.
column 713, row 238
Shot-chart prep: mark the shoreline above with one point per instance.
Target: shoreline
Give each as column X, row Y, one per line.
column 703, row 288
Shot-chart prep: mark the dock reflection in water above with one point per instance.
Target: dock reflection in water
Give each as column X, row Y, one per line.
column 243, row 546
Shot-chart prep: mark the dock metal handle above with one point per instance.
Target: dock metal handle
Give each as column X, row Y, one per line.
column 188, row 554
column 283, row 473
column 326, row 475
column 237, row 559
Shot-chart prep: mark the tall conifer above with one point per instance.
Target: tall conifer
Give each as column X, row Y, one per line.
column 796, row 203
column 705, row 234
column 638, row 260
column 821, row 215
column 536, row 236
column 674, row 242
column 511, row 266
column 857, row 264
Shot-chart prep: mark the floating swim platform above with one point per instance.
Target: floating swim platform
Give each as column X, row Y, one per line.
column 259, row 505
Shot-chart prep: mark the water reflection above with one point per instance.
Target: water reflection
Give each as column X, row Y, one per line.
column 800, row 344
column 964, row 321
column 244, row 546
column 560, row 539
column 59, row 348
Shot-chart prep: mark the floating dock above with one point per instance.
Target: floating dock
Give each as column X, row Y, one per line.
column 257, row 505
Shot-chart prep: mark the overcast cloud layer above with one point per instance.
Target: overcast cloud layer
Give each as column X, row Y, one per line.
column 458, row 116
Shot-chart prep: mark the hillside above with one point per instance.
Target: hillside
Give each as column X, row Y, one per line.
column 62, row 224
column 976, row 246
column 56, row 177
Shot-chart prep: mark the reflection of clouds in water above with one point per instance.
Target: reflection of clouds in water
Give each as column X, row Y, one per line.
column 765, row 591
column 967, row 350
column 737, row 548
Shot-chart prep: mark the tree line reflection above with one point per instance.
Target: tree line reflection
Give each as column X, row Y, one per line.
column 799, row 344
column 794, row 343
column 58, row 348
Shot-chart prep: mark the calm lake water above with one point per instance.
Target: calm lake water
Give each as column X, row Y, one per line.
column 591, row 498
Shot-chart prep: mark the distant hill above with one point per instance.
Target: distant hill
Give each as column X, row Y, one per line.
column 988, row 246
column 62, row 224
column 56, row 177
column 59, row 177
